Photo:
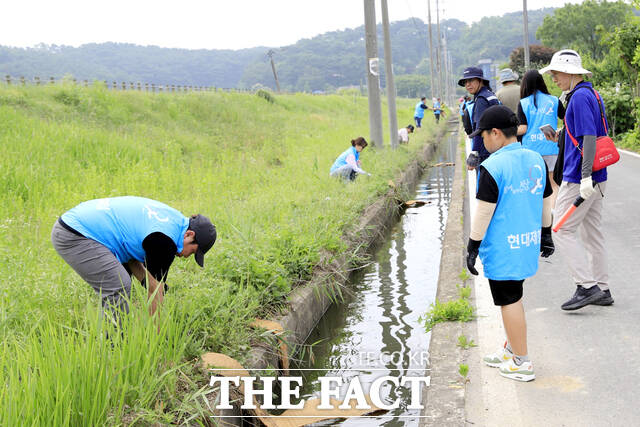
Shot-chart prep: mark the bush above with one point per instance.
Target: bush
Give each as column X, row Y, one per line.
column 265, row 94
column 620, row 109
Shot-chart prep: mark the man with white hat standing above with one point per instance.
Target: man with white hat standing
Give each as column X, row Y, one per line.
column 509, row 94
column 585, row 121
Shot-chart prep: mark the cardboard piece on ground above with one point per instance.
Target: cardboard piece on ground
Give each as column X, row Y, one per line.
column 310, row 411
column 277, row 329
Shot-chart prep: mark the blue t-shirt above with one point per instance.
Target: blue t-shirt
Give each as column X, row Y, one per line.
column 483, row 100
column 419, row 113
column 436, row 107
column 582, row 118
column 122, row 223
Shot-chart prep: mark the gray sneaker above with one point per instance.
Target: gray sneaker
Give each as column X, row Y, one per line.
column 605, row 300
column 583, row 297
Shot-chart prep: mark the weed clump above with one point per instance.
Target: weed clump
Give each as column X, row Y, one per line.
column 265, row 94
column 455, row 310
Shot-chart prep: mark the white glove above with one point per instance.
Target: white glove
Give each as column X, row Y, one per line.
column 586, row 188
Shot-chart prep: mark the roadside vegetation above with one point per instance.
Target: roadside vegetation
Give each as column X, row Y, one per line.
column 257, row 167
column 455, row 310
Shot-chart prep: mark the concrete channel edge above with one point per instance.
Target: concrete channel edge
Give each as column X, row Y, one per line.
column 308, row 303
column 444, row 399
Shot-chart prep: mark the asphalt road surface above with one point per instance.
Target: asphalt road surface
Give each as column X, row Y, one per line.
column 587, row 362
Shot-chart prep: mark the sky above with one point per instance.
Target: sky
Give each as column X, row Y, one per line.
column 216, row 24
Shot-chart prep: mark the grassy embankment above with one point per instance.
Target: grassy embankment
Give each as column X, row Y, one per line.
column 258, row 169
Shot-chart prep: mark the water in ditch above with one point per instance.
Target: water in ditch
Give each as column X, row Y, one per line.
column 376, row 331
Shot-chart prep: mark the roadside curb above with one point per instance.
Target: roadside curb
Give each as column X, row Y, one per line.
column 444, row 399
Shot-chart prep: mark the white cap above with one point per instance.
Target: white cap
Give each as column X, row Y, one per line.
column 566, row 61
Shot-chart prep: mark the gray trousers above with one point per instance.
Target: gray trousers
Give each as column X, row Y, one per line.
column 345, row 172
column 97, row 265
column 585, row 255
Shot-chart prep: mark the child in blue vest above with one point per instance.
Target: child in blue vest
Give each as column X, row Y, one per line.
column 511, row 228
column 107, row 240
column 348, row 165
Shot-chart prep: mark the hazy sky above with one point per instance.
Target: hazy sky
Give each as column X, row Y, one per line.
column 215, row 24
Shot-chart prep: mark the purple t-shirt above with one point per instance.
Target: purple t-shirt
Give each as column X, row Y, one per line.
column 582, row 118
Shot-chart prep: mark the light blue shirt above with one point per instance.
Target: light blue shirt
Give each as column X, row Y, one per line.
column 122, row 223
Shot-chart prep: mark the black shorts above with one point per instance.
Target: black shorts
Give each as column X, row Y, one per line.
column 505, row 292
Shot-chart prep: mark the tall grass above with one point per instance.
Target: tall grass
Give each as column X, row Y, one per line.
column 259, row 169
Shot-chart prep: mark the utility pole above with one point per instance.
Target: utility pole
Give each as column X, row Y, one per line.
column 273, row 68
column 525, row 16
column 391, row 86
column 445, row 76
column 433, row 88
column 373, row 74
column 439, row 68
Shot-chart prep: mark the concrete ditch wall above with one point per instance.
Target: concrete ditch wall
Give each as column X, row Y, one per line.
column 308, row 303
column 444, row 399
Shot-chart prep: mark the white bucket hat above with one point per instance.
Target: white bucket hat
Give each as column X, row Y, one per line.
column 566, row 61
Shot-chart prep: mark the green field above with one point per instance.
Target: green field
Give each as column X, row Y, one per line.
column 258, row 169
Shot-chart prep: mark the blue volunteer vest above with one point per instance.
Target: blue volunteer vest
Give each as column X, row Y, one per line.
column 436, row 107
column 419, row 111
column 511, row 247
column 546, row 113
column 122, row 223
column 342, row 158
column 470, row 105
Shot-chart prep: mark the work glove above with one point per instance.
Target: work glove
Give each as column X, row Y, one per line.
column 472, row 253
column 546, row 243
column 586, row 187
column 473, row 161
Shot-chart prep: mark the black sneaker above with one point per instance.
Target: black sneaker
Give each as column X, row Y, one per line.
column 605, row 300
column 583, row 297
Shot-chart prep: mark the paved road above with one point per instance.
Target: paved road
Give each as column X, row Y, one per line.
column 587, row 362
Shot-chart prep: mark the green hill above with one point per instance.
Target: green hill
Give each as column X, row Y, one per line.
column 334, row 59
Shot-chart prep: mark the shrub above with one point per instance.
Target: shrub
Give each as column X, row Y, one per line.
column 265, row 94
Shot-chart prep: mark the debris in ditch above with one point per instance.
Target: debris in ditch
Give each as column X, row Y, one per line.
column 444, row 164
column 415, row 203
column 223, row 365
column 277, row 329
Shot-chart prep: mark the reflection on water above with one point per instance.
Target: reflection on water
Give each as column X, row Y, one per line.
column 376, row 331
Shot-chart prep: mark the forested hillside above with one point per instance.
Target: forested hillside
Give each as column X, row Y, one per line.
column 324, row 62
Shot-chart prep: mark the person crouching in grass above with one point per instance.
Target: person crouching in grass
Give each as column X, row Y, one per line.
column 348, row 165
column 510, row 229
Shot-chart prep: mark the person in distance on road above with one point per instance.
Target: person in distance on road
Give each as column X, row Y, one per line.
column 348, row 165
column 509, row 93
column 107, row 240
column 510, row 229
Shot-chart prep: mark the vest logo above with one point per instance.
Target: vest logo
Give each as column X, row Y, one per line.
column 151, row 213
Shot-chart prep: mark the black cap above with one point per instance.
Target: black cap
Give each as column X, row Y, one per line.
column 205, row 235
column 472, row 73
column 496, row 116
